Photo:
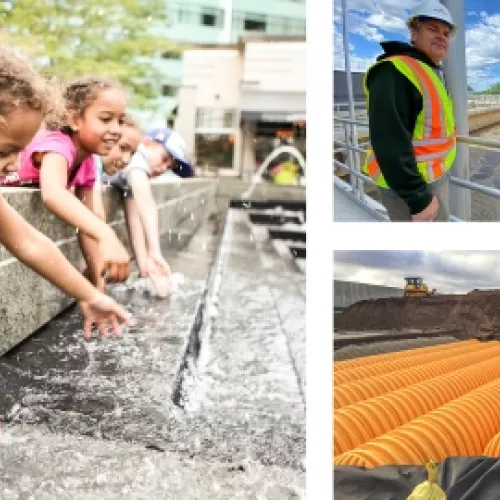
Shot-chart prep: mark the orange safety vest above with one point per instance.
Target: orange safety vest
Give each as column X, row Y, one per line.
column 434, row 136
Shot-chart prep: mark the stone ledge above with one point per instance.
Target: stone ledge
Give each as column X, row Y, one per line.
column 28, row 301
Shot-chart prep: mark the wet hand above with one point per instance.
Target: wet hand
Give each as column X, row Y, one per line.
column 115, row 258
column 429, row 213
column 100, row 311
column 158, row 265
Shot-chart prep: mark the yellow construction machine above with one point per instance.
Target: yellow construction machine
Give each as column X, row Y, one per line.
column 415, row 287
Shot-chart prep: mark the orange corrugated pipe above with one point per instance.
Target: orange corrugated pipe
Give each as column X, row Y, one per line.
column 348, row 364
column 492, row 449
column 398, row 364
column 358, row 423
column 462, row 427
column 359, row 390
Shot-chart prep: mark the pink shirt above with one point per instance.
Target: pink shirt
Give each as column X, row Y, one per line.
column 47, row 141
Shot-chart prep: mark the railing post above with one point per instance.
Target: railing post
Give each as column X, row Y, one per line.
column 350, row 158
column 455, row 71
column 354, row 135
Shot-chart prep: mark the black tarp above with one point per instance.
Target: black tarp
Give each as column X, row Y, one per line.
column 462, row 478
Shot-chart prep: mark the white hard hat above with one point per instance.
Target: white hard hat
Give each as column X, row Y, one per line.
column 432, row 9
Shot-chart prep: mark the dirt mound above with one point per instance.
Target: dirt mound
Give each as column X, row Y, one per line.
column 476, row 313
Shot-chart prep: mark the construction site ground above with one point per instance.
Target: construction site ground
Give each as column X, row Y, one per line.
column 395, row 324
column 463, row 316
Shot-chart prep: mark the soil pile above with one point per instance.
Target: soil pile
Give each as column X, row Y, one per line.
column 473, row 314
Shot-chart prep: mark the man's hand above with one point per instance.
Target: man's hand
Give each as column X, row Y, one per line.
column 429, row 213
column 101, row 310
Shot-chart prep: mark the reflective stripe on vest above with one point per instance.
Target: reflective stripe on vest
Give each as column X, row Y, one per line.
column 434, row 142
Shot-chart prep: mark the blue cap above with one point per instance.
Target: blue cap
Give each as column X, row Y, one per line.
column 176, row 146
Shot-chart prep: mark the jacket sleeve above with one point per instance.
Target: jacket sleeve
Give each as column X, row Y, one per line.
column 393, row 109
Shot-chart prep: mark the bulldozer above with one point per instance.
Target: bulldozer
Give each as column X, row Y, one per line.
column 415, row 287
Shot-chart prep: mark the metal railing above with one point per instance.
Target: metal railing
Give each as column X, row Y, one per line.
column 354, row 169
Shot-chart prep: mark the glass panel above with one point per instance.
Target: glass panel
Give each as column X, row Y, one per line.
column 254, row 25
column 214, row 150
column 215, row 118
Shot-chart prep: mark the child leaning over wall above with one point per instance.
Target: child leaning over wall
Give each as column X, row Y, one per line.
column 161, row 150
column 61, row 162
column 24, row 101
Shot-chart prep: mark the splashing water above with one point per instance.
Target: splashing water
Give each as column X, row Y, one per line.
column 274, row 154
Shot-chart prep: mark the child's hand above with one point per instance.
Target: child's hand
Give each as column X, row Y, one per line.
column 101, row 310
column 158, row 265
column 159, row 272
column 115, row 258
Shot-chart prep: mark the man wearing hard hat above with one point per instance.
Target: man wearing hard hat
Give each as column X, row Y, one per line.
column 412, row 128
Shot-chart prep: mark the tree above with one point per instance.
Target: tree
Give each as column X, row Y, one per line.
column 469, row 88
column 494, row 89
column 68, row 38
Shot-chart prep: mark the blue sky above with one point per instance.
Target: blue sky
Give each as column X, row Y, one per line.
column 371, row 21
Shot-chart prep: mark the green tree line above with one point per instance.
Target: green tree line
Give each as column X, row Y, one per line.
column 67, row 38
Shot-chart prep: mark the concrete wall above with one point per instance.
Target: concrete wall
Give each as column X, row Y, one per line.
column 479, row 119
column 216, row 75
column 28, row 301
column 186, row 121
column 233, row 188
column 346, row 293
column 275, row 67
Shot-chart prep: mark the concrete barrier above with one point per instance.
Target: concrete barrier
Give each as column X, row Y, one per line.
column 229, row 188
column 483, row 118
column 27, row 301
column 346, row 293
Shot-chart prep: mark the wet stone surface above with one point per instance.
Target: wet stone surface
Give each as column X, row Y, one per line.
column 82, row 419
column 46, row 466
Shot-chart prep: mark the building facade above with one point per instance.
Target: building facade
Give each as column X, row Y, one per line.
column 238, row 102
column 195, row 22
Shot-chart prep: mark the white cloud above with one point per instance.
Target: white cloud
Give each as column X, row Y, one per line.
column 357, row 63
column 387, row 22
column 370, row 18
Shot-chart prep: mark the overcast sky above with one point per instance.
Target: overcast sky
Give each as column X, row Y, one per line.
column 447, row 271
column 371, row 21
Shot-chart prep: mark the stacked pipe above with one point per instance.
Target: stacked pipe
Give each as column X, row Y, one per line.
column 358, row 423
column 462, row 427
column 348, row 364
column 435, row 364
column 492, row 449
column 410, row 359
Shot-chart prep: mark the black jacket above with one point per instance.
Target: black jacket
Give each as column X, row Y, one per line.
column 393, row 109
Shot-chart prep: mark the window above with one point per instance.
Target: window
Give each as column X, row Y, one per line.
column 211, row 17
column 215, row 118
column 168, row 90
column 254, row 25
column 208, row 19
column 214, row 150
column 170, row 54
column 245, row 21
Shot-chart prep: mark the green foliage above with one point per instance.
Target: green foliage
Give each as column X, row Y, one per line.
column 494, row 89
column 68, row 38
